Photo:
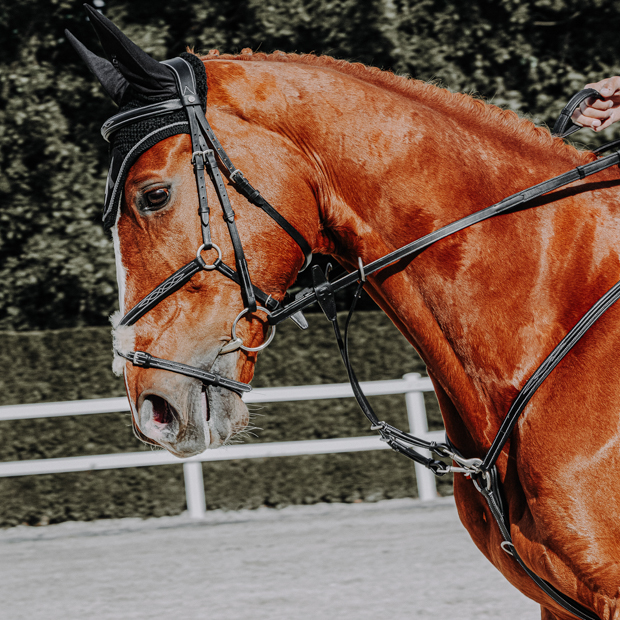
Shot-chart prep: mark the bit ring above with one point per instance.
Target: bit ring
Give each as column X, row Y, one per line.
column 269, row 338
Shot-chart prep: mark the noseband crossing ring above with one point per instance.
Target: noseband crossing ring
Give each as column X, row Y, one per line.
column 204, row 265
column 207, row 153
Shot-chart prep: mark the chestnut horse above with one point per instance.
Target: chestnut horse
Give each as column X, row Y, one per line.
column 362, row 162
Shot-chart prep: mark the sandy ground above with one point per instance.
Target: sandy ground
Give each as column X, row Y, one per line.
column 390, row 560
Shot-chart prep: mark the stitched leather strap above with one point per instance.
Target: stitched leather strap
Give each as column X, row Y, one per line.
column 177, row 280
column 122, row 119
column 564, row 125
column 242, row 185
column 145, row 360
column 170, row 285
column 229, row 217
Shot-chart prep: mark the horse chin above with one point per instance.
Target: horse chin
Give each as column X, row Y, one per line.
column 191, row 418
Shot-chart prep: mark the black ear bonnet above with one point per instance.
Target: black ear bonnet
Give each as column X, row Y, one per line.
column 132, row 140
column 147, row 92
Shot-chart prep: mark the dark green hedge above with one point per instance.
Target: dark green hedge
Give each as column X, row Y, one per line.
column 56, row 265
column 75, row 364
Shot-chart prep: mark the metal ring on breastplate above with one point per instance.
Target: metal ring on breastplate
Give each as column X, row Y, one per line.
column 204, row 265
column 269, row 338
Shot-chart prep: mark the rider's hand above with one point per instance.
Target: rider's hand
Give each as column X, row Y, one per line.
column 599, row 114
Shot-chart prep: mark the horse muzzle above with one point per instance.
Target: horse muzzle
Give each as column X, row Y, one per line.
column 183, row 415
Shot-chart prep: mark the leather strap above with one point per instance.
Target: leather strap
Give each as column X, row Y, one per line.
column 490, row 489
column 179, row 279
column 413, row 249
column 186, row 85
column 242, row 185
column 544, row 370
column 564, row 125
column 170, row 285
column 145, row 360
column 229, row 217
column 398, row 440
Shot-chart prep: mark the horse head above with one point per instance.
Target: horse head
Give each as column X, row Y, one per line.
column 196, row 282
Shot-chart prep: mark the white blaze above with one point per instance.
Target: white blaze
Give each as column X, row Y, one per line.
column 121, row 274
column 123, row 337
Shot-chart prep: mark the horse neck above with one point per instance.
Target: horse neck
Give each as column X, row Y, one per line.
column 486, row 305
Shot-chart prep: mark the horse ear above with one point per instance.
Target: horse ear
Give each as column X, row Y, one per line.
column 111, row 79
column 146, row 76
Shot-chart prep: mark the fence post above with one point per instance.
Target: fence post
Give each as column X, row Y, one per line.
column 416, row 412
column 194, row 490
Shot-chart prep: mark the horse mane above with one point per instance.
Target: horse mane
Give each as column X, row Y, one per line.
column 489, row 115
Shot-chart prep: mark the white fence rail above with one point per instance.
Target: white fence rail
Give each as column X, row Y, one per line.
column 411, row 385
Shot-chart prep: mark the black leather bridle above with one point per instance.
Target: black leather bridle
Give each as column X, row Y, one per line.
column 208, row 153
column 205, row 146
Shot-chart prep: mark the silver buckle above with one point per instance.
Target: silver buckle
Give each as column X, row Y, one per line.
column 140, row 358
column 202, row 154
column 234, row 173
column 360, row 265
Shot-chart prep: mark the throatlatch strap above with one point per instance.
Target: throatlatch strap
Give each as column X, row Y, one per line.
column 243, row 186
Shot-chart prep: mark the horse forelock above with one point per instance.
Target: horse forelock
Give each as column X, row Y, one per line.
column 455, row 104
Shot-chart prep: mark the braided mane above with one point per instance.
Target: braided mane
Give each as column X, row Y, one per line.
column 520, row 129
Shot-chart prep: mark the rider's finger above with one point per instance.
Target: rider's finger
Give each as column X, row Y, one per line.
column 591, row 112
column 605, row 124
column 607, row 87
column 584, row 121
column 597, row 104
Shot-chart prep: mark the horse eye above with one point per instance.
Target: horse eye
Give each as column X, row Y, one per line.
column 156, row 198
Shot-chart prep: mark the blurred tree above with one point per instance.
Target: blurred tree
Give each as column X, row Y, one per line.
column 56, row 265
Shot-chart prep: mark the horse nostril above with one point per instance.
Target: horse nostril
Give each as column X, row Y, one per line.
column 163, row 412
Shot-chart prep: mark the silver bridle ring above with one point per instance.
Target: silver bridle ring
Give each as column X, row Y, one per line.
column 217, row 261
column 269, row 338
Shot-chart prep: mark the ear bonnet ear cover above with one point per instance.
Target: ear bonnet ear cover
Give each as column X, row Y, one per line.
column 131, row 141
